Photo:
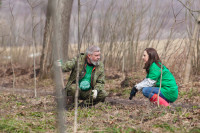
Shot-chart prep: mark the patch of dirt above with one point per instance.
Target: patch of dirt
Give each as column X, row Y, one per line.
column 128, row 82
column 22, row 77
column 37, row 71
column 125, row 102
column 116, row 76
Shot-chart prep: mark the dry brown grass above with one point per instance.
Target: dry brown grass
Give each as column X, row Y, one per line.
column 19, row 55
column 21, row 112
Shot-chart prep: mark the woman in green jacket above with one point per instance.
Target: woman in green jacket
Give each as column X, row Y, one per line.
column 151, row 84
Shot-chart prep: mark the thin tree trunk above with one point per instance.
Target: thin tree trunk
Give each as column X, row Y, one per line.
column 77, row 71
column 190, row 54
column 198, row 54
column 66, row 10
column 58, row 77
column 46, row 44
column 34, row 46
column 10, row 37
column 160, row 84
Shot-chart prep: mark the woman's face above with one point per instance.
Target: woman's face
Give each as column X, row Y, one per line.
column 145, row 56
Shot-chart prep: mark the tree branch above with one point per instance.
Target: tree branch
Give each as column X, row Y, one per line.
column 188, row 7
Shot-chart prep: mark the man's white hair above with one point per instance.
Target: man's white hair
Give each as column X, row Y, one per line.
column 91, row 49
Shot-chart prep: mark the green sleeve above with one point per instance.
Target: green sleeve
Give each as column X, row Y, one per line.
column 100, row 82
column 69, row 65
column 154, row 72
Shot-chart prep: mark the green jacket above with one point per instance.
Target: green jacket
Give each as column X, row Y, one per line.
column 169, row 87
column 97, row 77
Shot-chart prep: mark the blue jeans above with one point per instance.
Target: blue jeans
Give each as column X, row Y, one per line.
column 150, row 91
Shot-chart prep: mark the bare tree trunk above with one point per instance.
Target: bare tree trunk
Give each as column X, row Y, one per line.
column 10, row 37
column 45, row 60
column 46, row 50
column 190, row 53
column 160, row 84
column 198, row 54
column 77, row 71
column 131, row 37
column 58, row 77
column 66, row 9
column 34, row 44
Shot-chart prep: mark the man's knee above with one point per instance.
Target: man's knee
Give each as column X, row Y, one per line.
column 102, row 94
column 84, row 94
column 71, row 90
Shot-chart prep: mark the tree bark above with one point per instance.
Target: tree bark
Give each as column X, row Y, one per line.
column 58, row 77
column 77, row 75
column 66, row 9
column 190, row 54
column 46, row 47
column 46, row 56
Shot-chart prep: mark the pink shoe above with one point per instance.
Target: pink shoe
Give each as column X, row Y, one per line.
column 154, row 98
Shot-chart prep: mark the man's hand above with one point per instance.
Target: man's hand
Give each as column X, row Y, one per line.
column 94, row 94
column 133, row 92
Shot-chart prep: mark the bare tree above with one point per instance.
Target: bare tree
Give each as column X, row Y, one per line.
column 33, row 26
column 46, row 46
column 11, row 36
column 198, row 54
column 190, row 53
column 58, row 78
column 77, row 76
column 66, row 9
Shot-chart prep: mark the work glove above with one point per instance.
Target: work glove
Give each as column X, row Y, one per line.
column 94, row 94
column 133, row 92
column 59, row 62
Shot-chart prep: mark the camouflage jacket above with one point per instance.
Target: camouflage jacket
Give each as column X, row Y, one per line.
column 97, row 77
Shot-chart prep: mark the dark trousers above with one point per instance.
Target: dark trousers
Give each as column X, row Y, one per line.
column 86, row 95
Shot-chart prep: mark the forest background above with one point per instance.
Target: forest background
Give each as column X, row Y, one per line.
column 35, row 33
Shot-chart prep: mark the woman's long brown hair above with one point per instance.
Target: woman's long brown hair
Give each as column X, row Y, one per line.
column 153, row 57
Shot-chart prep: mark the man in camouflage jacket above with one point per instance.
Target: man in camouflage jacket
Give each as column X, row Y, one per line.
column 90, row 65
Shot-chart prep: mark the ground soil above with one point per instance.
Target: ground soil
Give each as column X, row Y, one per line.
column 116, row 113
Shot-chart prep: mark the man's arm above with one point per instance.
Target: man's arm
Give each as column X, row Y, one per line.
column 69, row 65
column 100, row 82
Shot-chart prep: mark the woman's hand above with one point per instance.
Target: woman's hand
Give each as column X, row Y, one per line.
column 133, row 92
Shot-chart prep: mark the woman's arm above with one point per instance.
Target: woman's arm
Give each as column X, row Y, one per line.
column 147, row 82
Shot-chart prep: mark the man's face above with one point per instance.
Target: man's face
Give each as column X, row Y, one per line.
column 95, row 57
